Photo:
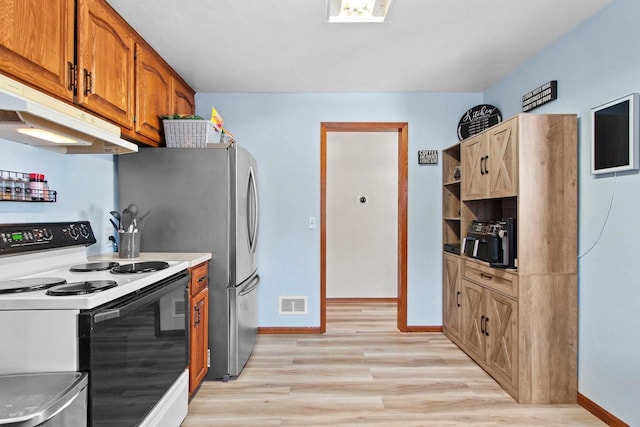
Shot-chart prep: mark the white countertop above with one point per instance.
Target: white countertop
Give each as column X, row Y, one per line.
column 193, row 258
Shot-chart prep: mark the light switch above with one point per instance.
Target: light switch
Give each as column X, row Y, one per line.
column 312, row 222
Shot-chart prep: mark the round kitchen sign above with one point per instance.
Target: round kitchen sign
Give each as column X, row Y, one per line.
column 477, row 119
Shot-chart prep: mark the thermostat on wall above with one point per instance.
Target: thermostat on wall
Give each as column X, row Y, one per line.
column 427, row 157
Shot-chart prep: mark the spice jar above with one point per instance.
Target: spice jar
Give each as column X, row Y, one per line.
column 36, row 184
column 9, row 186
column 2, row 185
column 20, row 187
column 45, row 191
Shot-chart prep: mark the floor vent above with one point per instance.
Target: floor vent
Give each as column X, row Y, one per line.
column 293, row 305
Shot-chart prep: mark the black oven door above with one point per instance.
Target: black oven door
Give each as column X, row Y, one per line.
column 134, row 348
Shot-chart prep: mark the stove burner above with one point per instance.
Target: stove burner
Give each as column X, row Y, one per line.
column 94, row 266
column 140, row 267
column 29, row 284
column 81, row 288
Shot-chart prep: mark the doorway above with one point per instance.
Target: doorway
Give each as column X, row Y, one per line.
column 401, row 131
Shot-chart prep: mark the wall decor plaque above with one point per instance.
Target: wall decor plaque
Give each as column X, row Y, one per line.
column 478, row 119
column 540, row 96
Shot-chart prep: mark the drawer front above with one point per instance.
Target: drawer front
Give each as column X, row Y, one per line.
column 492, row 278
column 199, row 278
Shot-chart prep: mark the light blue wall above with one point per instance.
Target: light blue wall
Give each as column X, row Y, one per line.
column 598, row 62
column 85, row 186
column 283, row 133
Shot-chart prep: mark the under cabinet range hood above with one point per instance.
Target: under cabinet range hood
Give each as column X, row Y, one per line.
column 31, row 117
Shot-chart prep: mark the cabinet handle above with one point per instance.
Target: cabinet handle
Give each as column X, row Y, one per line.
column 73, row 76
column 88, row 82
column 486, row 276
column 486, row 326
column 486, row 171
column 202, row 279
column 458, row 298
column 481, row 324
column 196, row 320
column 481, row 168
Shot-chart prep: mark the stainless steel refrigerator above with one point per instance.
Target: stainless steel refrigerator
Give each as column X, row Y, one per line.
column 205, row 200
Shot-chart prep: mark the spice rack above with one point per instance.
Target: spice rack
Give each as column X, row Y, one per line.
column 25, row 187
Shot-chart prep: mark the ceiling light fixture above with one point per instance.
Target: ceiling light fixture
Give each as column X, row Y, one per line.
column 357, row 11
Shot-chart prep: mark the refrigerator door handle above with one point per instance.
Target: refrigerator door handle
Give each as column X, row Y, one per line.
column 250, row 287
column 252, row 220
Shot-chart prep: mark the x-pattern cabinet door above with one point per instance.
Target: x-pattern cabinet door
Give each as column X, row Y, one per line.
column 501, row 334
column 472, row 318
column 473, row 177
column 452, row 294
column 502, row 169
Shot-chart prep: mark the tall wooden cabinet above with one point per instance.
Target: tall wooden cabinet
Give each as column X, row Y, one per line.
column 199, row 330
column 101, row 64
column 520, row 324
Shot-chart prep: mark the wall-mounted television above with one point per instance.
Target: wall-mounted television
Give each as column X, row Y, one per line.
column 614, row 135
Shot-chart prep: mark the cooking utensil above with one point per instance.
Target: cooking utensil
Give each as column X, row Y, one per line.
column 133, row 212
column 126, row 219
column 116, row 215
column 138, row 223
column 116, row 226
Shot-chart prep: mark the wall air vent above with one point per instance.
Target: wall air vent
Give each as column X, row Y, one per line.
column 293, row 305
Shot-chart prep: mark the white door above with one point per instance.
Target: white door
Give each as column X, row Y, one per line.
column 362, row 214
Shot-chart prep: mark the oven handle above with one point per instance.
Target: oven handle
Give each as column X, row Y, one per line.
column 140, row 302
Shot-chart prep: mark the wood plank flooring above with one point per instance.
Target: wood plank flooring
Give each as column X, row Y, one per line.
column 364, row 372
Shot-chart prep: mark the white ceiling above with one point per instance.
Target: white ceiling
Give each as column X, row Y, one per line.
column 287, row 45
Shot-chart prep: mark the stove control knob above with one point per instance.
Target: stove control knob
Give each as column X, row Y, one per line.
column 46, row 233
column 84, row 230
column 73, row 233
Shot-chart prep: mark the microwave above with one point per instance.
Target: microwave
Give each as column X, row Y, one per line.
column 492, row 241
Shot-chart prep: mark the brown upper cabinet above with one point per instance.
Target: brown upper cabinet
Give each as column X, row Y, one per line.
column 37, row 44
column 105, row 63
column 490, row 163
column 113, row 72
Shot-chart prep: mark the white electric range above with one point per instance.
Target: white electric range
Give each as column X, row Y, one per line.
column 124, row 323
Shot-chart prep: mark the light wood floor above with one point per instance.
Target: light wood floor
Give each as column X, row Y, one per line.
column 364, row 372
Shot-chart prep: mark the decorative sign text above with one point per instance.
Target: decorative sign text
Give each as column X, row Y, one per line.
column 477, row 119
column 427, row 157
column 540, row 96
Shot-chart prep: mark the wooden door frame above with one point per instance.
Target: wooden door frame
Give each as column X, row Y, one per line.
column 403, row 142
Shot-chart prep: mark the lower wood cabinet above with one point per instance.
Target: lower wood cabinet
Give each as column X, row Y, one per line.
column 199, row 329
column 452, row 293
column 490, row 333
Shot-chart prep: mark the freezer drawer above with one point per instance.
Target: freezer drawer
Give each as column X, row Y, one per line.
column 244, row 323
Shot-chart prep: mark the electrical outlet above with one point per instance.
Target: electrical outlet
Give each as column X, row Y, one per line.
column 108, row 231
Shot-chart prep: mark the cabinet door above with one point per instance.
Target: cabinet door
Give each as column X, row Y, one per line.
column 473, row 163
column 452, row 294
column 182, row 98
column 199, row 339
column 153, row 93
column 37, row 43
column 105, row 62
column 501, row 332
column 503, row 159
column 473, row 306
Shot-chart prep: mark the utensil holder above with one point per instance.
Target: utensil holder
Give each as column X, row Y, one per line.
column 129, row 246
